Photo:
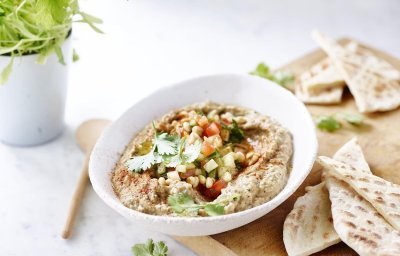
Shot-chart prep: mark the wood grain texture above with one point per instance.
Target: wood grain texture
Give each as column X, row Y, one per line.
column 380, row 141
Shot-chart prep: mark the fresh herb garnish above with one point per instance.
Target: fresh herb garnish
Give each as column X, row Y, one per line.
column 236, row 134
column 333, row 122
column 354, row 119
column 150, row 249
column 170, row 149
column 183, row 204
column 280, row 77
column 327, row 123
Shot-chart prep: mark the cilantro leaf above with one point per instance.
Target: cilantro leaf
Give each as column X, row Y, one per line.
column 280, row 77
column 172, row 161
column 191, row 152
column 166, row 144
column 236, row 134
column 328, row 123
column 139, row 163
column 214, row 209
column 182, row 202
column 354, row 119
column 160, row 249
column 150, row 249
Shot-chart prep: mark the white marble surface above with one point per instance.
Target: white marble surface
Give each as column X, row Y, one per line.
column 149, row 44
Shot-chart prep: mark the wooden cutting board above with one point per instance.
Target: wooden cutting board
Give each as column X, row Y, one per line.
column 380, row 140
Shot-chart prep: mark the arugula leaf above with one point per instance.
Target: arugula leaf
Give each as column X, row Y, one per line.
column 150, row 249
column 182, row 202
column 214, row 209
column 328, row 123
column 280, row 77
column 354, row 119
column 236, row 134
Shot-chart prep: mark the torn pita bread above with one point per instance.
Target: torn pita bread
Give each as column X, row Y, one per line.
column 382, row 194
column 308, row 228
column 321, row 76
column 328, row 96
column 356, row 221
column 322, row 84
column 311, row 217
column 374, row 83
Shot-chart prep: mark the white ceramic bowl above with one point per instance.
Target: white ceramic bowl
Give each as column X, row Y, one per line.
column 244, row 90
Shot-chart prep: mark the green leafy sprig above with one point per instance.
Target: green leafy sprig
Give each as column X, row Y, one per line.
column 150, row 249
column 183, row 204
column 280, row 77
column 169, row 149
column 38, row 26
column 334, row 122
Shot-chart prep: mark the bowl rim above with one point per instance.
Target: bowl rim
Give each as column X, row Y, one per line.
column 282, row 196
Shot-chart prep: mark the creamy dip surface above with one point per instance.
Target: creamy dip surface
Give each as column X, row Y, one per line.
column 205, row 159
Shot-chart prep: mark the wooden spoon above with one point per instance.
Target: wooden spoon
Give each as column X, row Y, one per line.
column 86, row 135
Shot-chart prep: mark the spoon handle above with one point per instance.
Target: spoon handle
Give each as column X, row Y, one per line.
column 76, row 199
column 205, row 245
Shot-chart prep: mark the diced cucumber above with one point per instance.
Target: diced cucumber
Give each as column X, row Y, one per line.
column 229, row 160
column 210, row 165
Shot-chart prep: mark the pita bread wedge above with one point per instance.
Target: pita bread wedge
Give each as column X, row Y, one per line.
column 308, row 228
column 382, row 194
column 322, row 84
column 356, row 221
column 321, row 76
column 328, row 96
column 374, row 83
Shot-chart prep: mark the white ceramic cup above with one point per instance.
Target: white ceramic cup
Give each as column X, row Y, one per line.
column 32, row 101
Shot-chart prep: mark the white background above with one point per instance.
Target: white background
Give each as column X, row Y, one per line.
column 148, row 44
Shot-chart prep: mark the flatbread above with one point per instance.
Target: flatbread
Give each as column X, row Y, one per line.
column 382, row 194
column 321, row 76
column 374, row 83
column 356, row 221
column 322, row 84
column 308, row 227
column 328, row 96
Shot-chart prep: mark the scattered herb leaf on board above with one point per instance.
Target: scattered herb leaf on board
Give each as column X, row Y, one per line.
column 150, row 249
column 334, row 122
column 280, row 77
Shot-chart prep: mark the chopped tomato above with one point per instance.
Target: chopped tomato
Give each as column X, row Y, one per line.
column 215, row 190
column 203, row 121
column 207, row 149
column 187, row 174
column 212, row 129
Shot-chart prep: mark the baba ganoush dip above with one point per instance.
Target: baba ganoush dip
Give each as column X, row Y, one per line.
column 205, row 159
